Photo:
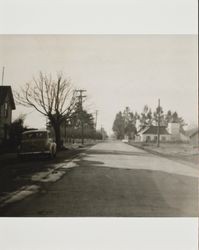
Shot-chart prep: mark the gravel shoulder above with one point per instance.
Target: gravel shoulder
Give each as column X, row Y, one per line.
column 182, row 153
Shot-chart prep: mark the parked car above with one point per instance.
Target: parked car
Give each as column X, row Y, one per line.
column 37, row 142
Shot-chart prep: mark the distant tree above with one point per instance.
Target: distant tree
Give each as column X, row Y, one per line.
column 129, row 122
column 119, row 126
column 159, row 113
column 55, row 99
column 16, row 129
column 103, row 133
column 74, row 125
column 168, row 117
column 125, row 124
column 174, row 117
column 146, row 117
column 80, row 116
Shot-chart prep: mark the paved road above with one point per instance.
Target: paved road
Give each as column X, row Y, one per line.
column 115, row 179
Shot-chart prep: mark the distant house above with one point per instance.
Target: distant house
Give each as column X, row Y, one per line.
column 150, row 134
column 171, row 133
column 7, row 104
column 177, row 134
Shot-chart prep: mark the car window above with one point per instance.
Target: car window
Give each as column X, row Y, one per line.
column 35, row 135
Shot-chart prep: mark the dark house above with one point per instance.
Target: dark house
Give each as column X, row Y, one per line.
column 7, row 104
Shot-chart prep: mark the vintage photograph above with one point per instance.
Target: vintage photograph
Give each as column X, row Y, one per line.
column 99, row 126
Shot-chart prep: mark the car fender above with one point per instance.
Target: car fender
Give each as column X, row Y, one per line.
column 53, row 147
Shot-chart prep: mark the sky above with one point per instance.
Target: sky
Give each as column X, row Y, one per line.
column 116, row 70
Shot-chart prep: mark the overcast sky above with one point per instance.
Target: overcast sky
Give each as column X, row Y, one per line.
column 116, row 70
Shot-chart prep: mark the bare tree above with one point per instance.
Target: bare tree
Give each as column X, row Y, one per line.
column 55, row 99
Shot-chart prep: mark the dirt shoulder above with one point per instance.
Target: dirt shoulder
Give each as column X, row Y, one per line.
column 16, row 174
column 183, row 153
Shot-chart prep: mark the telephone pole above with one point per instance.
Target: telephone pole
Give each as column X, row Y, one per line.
column 96, row 113
column 2, row 75
column 158, row 131
column 80, row 97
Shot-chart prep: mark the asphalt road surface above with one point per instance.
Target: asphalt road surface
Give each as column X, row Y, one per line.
column 113, row 179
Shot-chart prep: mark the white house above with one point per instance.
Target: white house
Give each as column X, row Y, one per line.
column 150, row 134
column 176, row 134
column 171, row 133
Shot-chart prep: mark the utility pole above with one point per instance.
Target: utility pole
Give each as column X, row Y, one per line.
column 103, row 133
column 96, row 113
column 2, row 75
column 81, row 96
column 158, row 131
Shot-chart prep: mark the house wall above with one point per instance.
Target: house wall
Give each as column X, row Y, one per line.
column 144, row 137
column 5, row 119
column 174, row 130
column 184, row 138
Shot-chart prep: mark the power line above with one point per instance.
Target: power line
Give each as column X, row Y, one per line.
column 96, row 113
column 2, row 75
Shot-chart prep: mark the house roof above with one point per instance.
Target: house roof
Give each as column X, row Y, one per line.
column 4, row 91
column 142, row 129
column 154, row 130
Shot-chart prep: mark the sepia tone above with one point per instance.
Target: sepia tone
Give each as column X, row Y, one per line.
column 98, row 125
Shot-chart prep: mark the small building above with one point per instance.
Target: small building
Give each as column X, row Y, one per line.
column 174, row 130
column 193, row 136
column 7, row 104
column 177, row 134
column 150, row 134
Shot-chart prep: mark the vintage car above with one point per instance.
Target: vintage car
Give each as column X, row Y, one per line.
column 37, row 142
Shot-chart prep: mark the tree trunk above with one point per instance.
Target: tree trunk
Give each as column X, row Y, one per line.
column 56, row 127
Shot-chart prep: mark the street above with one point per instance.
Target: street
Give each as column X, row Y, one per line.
column 110, row 178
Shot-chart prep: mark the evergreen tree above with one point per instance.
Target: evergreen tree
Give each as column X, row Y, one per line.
column 125, row 124
column 146, row 117
column 159, row 113
column 119, row 125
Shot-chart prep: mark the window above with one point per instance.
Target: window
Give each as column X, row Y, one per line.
column 163, row 138
column 5, row 109
column 35, row 135
column 148, row 138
